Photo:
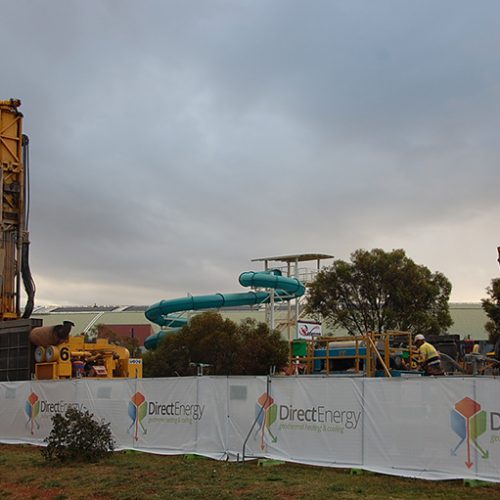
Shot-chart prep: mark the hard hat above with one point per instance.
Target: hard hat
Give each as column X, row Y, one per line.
column 419, row 337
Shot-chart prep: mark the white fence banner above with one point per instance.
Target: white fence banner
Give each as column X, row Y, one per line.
column 315, row 421
column 431, row 428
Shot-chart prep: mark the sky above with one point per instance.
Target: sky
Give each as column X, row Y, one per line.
column 171, row 142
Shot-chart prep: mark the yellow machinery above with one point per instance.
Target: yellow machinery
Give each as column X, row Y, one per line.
column 14, row 213
column 67, row 356
column 76, row 358
column 16, row 353
column 373, row 354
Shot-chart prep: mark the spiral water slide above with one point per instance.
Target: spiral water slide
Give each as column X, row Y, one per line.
column 282, row 287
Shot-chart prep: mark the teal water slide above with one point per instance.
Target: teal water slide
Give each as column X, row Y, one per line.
column 283, row 289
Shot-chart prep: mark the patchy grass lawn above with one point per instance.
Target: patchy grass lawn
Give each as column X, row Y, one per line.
column 126, row 475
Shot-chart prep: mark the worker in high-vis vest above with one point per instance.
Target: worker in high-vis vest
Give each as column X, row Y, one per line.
column 430, row 360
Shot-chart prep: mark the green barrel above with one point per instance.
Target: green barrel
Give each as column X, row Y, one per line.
column 299, row 347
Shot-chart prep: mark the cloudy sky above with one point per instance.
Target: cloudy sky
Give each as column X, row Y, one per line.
column 174, row 141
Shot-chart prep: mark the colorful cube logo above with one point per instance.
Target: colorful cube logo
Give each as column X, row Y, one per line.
column 32, row 409
column 266, row 412
column 469, row 422
column 137, row 410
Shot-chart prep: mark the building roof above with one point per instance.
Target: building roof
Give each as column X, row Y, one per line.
column 468, row 319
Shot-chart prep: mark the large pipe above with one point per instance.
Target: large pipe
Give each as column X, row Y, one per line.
column 51, row 335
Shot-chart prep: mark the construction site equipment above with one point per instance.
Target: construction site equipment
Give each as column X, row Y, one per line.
column 76, row 358
column 16, row 352
column 50, row 335
column 26, row 347
column 14, row 214
column 372, row 354
column 17, row 360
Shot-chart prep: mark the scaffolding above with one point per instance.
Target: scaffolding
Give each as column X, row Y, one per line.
column 291, row 266
column 371, row 354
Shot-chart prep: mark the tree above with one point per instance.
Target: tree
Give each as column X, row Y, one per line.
column 103, row 331
column 379, row 291
column 170, row 359
column 261, row 348
column 227, row 348
column 491, row 307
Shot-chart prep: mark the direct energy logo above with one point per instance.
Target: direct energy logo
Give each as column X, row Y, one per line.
column 266, row 413
column 35, row 407
column 317, row 419
column 32, row 409
column 137, row 410
column 173, row 412
column 469, row 422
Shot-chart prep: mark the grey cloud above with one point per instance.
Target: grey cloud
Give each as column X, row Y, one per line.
column 171, row 142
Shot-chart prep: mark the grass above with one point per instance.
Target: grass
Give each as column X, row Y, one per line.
column 25, row 474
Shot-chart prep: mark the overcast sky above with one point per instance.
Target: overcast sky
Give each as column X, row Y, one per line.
column 173, row 141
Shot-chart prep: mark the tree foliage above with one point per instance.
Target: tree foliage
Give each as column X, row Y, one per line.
column 379, row 291
column 491, row 307
column 248, row 348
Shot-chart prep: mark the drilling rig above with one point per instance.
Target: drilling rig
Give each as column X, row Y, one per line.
column 14, row 214
column 28, row 350
column 15, row 325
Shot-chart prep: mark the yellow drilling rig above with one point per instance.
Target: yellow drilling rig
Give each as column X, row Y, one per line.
column 27, row 349
column 14, row 214
column 16, row 353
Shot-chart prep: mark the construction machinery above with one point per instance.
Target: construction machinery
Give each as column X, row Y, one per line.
column 16, row 352
column 76, row 358
column 14, row 214
column 389, row 354
column 27, row 349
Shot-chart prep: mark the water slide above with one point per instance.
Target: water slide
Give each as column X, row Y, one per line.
column 283, row 288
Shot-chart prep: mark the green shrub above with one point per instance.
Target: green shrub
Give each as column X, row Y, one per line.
column 76, row 436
